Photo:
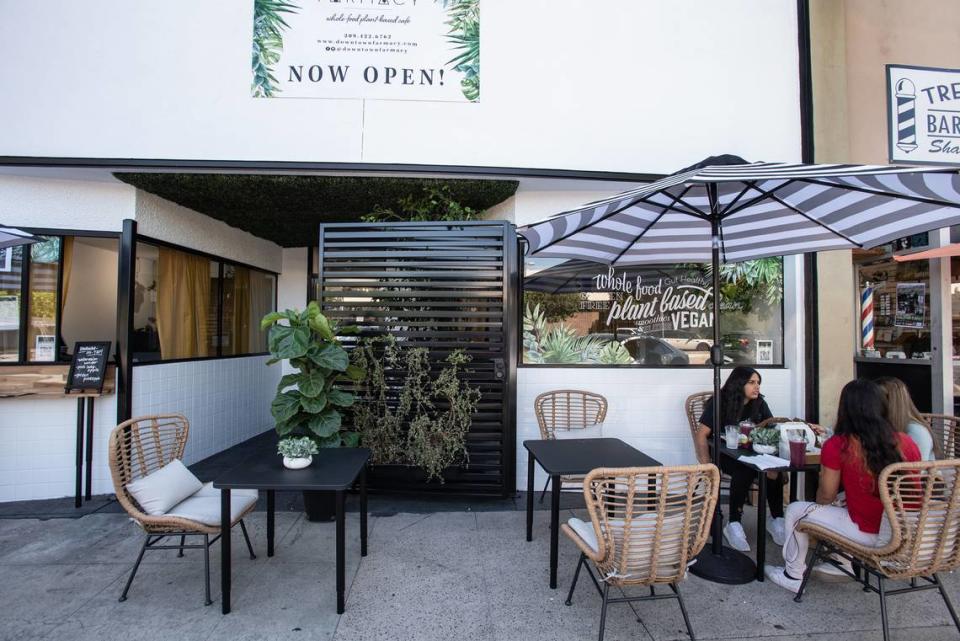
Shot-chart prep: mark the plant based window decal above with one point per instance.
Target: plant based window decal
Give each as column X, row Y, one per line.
column 268, row 26
column 464, row 35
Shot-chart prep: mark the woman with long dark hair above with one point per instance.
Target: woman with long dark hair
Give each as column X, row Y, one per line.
column 740, row 400
column 864, row 442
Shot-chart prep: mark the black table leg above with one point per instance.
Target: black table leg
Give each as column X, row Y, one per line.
column 554, row 527
column 225, row 550
column 341, row 580
column 271, row 524
column 793, row 485
column 78, row 495
column 761, row 524
column 530, row 470
column 363, row 511
column 89, row 480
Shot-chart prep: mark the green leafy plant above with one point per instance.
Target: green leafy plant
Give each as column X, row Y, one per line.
column 556, row 307
column 268, row 26
column 297, row 447
column 405, row 415
column 765, row 436
column 464, row 35
column 308, row 403
column 433, row 202
column 561, row 344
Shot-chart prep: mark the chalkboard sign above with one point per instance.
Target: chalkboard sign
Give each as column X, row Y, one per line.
column 89, row 366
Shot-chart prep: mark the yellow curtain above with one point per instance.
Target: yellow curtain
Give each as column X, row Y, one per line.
column 67, row 269
column 241, row 310
column 261, row 304
column 183, row 294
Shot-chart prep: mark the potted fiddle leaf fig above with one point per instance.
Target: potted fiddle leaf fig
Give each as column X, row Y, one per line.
column 309, row 402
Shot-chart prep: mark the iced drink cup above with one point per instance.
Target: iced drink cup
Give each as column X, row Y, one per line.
column 798, row 451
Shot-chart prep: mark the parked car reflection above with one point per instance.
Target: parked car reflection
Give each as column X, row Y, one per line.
column 650, row 350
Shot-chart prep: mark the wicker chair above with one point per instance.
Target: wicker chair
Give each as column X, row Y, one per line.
column 566, row 411
column 922, row 504
column 646, row 526
column 946, row 434
column 694, row 406
column 145, row 444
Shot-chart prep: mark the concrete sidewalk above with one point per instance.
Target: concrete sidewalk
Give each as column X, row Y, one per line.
column 435, row 576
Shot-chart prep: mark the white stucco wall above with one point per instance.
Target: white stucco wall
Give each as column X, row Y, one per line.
column 164, row 220
column 47, row 203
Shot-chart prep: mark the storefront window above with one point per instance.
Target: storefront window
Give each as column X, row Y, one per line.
column 582, row 313
column 42, row 311
column 11, row 261
column 901, row 307
column 182, row 309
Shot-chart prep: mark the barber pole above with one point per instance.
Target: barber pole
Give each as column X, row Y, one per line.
column 866, row 317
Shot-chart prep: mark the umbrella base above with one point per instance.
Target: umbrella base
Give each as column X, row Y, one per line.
column 730, row 566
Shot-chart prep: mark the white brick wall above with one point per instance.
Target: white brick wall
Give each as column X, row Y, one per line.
column 226, row 400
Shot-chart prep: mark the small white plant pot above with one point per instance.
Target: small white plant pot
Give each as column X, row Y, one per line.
column 764, row 449
column 297, row 463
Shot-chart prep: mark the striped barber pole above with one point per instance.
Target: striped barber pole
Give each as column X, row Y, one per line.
column 866, row 317
column 906, row 115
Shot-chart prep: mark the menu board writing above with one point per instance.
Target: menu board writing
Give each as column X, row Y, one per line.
column 89, row 366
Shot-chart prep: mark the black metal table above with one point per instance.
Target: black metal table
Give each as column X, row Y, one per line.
column 575, row 456
column 335, row 470
column 762, row 496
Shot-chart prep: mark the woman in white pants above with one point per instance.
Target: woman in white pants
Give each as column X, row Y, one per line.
column 863, row 444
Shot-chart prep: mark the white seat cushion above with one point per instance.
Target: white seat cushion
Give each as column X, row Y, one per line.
column 206, row 509
column 585, row 531
column 159, row 491
column 209, row 490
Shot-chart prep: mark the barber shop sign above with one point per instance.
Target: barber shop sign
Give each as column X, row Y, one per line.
column 923, row 108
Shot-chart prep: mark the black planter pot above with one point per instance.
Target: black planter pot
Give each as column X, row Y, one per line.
column 320, row 506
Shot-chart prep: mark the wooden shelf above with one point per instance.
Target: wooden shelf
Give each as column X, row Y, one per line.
column 43, row 380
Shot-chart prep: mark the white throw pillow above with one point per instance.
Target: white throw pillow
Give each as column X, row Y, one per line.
column 159, row 491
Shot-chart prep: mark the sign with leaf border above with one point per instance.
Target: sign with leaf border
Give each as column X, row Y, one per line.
column 367, row 49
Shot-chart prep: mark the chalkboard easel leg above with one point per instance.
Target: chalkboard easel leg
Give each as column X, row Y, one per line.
column 89, row 447
column 78, row 496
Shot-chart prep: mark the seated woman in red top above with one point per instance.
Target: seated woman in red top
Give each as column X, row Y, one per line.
column 863, row 444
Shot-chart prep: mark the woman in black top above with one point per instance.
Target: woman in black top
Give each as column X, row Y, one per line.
column 740, row 399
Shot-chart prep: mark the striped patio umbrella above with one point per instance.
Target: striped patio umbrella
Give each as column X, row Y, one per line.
column 11, row 237
column 725, row 209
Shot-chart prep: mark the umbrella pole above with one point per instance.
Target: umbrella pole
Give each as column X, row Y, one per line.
column 719, row 564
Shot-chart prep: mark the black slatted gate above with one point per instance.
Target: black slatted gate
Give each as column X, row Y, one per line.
column 442, row 286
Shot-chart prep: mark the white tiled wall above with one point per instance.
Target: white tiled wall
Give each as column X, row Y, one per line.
column 38, row 446
column 645, row 406
column 226, row 401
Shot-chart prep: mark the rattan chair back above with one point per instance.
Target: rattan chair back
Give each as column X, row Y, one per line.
column 921, row 502
column 143, row 445
column 694, row 407
column 650, row 522
column 946, row 434
column 568, row 410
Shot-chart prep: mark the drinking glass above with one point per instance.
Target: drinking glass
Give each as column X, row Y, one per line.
column 732, row 435
column 798, row 448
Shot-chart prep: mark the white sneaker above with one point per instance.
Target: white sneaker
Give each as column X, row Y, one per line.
column 735, row 536
column 829, row 572
column 777, row 529
column 778, row 575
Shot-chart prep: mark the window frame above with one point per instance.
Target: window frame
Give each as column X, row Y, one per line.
column 222, row 262
column 521, row 268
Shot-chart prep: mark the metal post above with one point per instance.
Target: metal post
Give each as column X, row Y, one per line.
column 89, row 480
column 78, row 494
column 126, row 282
